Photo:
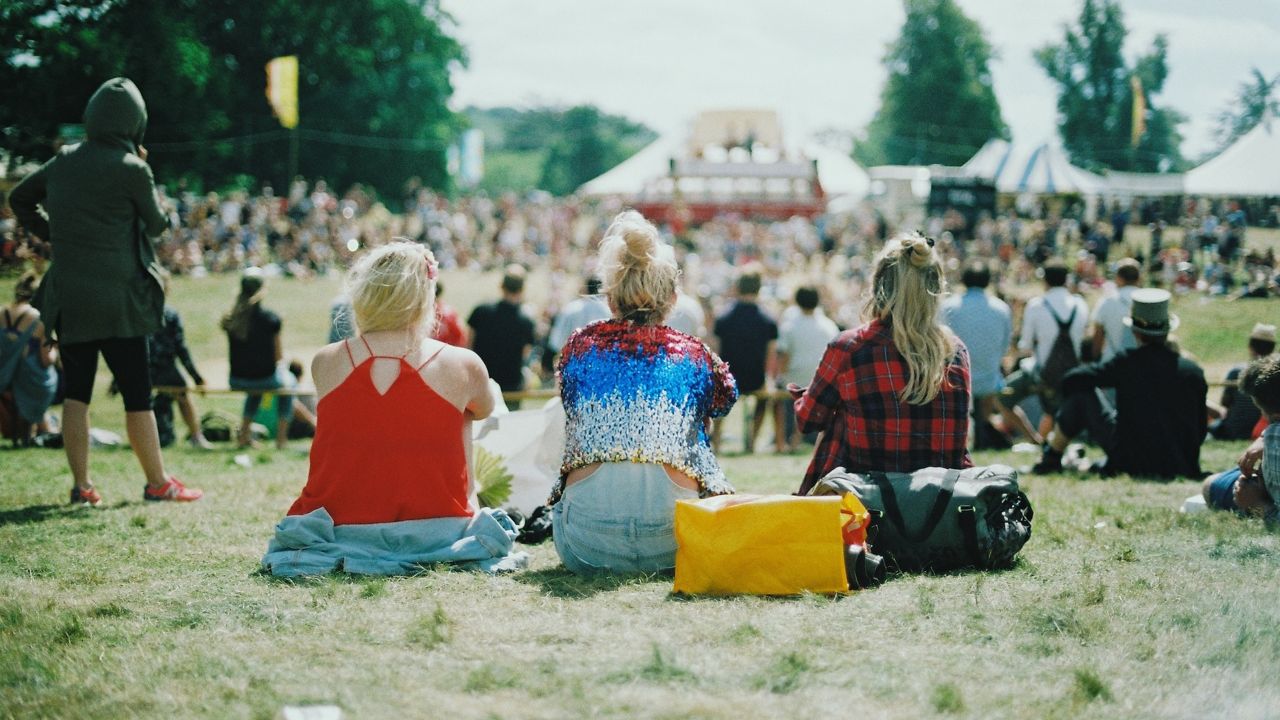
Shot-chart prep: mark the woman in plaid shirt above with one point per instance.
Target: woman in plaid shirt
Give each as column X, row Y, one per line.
column 893, row 394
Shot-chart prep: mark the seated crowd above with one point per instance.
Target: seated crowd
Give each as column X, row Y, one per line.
column 391, row 484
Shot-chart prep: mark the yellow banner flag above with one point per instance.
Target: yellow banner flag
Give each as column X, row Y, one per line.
column 282, row 89
column 1139, row 124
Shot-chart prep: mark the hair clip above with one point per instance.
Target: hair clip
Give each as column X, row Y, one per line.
column 930, row 241
column 432, row 268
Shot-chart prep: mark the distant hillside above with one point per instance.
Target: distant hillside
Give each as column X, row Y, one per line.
column 554, row 149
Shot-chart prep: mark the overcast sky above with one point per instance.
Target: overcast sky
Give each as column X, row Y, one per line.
column 818, row 62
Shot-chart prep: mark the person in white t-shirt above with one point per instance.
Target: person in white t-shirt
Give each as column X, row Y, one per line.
column 801, row 344
column 687, row 316
column 1110, row 334
column 579, row 312
column 1039, row 331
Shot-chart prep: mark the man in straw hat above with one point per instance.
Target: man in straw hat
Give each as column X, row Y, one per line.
column 1158, row 422
column 1236, row 416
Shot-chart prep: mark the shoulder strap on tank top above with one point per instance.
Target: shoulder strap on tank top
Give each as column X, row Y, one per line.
column 432, row 357
column 346, row 343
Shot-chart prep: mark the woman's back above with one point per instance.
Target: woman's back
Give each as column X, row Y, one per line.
column 643, row 394
column 875, row 428
column 892, row 395
column 253, row 355
column 388, row 445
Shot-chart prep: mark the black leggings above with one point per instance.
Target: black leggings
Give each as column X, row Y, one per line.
column 127, row 358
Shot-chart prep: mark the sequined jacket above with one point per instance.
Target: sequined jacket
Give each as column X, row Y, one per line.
column 642, row 393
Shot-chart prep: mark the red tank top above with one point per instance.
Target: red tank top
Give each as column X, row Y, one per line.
column 386, row 457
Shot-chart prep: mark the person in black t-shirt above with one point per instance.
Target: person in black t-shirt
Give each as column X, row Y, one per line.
column 502, row 334
column 253, row 337
column 746, row 337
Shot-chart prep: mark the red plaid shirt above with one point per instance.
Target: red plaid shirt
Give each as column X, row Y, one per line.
column 853, row 400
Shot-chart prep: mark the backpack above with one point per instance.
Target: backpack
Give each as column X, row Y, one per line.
column 218, row 426
column 936, row 519
column 1062, row 355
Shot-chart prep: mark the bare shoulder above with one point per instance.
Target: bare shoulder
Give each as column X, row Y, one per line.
column 461, row 361
column 329, row 367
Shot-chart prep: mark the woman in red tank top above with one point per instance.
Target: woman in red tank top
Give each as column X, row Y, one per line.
column 394, row 407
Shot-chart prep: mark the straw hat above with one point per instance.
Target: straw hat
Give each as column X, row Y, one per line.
column 1264, row 332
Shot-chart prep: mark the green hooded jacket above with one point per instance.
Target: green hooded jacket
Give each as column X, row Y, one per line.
column 95, row 202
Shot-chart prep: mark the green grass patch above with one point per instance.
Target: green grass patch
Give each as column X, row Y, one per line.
column 157, row 611
column 947, row 698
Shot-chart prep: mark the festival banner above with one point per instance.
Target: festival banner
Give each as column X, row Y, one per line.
column 282, row 89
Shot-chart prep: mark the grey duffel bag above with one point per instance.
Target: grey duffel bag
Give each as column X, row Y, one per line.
column 936, row 519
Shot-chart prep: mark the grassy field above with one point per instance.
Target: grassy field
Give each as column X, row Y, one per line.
column 1120, row 607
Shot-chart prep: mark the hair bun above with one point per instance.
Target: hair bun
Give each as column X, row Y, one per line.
column 919, row 250
column 640, row 247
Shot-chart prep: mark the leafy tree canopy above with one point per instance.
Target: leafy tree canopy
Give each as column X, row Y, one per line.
column 373, row 83
column 551, row 148
column 1096, row 94
column 1254, row 100
column 938, row 104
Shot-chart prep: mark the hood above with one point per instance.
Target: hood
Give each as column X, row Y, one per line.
column 116, row 115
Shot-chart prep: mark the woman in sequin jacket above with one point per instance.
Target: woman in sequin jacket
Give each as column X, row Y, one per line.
column 638, row 399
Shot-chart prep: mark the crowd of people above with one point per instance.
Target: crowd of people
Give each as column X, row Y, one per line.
column 847, row 316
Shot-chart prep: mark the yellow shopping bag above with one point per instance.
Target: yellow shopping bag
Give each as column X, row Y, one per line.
column 765, row 544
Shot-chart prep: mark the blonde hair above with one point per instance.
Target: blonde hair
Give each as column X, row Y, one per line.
column 393, row 288
column 906, row 288
column 638, row 271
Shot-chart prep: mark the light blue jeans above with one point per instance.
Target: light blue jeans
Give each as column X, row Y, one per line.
column 619, row 518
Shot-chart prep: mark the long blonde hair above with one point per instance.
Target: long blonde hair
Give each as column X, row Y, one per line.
column 906, row 289
column 392, row 287
column 638, row 271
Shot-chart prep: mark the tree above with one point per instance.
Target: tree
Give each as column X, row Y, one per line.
column 551, row 148
column 1096, row 94
column 1254, row 100
column 373, row 85
column 938, row 104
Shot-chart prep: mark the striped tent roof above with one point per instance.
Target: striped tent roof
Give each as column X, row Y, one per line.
column 1040, row 169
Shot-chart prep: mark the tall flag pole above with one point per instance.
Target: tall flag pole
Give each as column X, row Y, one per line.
column 282, row 94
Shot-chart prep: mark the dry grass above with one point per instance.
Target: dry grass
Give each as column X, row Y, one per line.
column 1120, row 607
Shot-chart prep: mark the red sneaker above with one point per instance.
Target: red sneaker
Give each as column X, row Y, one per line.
column 88, row 496
column 173, row 490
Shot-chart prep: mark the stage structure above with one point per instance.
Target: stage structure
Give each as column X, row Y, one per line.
column 731, row 162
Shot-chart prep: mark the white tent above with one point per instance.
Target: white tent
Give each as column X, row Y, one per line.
column 1041, row 169
column 634, row 175
column 1127, row 185
column 1249, row 168
column 839, row 174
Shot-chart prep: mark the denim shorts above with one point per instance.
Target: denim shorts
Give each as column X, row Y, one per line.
column 277, row 380
column 1221, row 490
column 620, row 518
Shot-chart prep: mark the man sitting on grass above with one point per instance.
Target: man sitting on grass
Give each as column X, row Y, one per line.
column 1158, row 422
column 1246, row 491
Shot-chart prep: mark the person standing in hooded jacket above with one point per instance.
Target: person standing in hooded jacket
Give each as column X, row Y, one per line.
column 95, row 203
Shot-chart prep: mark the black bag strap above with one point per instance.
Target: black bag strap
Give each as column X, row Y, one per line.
column 1062, row 326
column 946, row 489
column 969, row 527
